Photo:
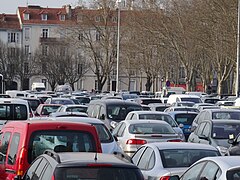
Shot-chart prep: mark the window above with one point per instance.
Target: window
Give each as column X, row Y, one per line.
column 27, row 50
column 114, row 19
column 121, row 130
column 98, row 36
column 209, row 171
column 12, row 52
column 80, row 68
column 143, row 163
column 80, row 37
column 137, row 155
column 62, row 17
column 13, row 37
column 26, row 16
column 193, row 172
column 44, row 17
column 181, row 72
column 27, row 33
column 13, row 149
column 13, row 112
column 4, row 147
column 45, row 33
column 32, row 168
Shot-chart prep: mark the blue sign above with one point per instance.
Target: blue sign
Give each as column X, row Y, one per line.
column 168, row 83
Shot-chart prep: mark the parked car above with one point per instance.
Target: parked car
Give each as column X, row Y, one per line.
column 33, row 102
column 160, row 160
column 151, row 115
column 158, row 106
column 210, row 100
column 111, row 111
column 225, row 103
column 62, row 101
column 132, row 134
column 46, row 109
column 211, row 114
column 183, row 97
column 181, row 108
column 184, row 120
column 108, row 142
column 14, row 109
column 21, row 142
column 76, row 166
column 82, row 99
column 73, row 108
column 183, row 103
column 217, row 168
column 216, row 133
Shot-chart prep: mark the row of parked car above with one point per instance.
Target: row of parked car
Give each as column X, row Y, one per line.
column 151, row 140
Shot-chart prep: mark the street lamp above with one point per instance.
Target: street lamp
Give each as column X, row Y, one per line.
column 118, row 44
column 238, row 52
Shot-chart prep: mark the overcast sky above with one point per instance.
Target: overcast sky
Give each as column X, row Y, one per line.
column 10, row 6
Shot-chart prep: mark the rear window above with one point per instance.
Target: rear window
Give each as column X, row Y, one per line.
column 60, row 141
column 33, row 104
column 98, row 173
column 151, row 128
column 77, row 109
column 161, row 108
column 63, row 102
column 195, row 100
column 149, row 101
column 226, row 115
column 222, row 131
column 13, row 112
column 185, row 119
column 163, row 117
column 103, row 133
column 173, row 158
column 233, row 174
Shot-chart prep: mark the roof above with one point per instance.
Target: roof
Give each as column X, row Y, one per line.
column 89, row 158
column 9, row 21
column 226, row 161
column 182, row 145
column 35, row 13
column 79, row 119
column 149, row 112
column 114, row 101
column 145, row 121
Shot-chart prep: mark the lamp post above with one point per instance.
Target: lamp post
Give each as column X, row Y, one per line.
column 1, row 78
column 238, row 52
column 118, row 44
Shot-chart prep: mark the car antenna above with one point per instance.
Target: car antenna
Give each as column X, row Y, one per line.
column 95, row 158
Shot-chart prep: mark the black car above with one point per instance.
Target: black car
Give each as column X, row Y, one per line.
column 74, row 166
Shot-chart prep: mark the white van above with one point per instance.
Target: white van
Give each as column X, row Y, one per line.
column 13, row 109
column 183, row 97
column 16, row 93
column 36, row 86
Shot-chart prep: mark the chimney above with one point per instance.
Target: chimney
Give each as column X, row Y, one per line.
column 68, row 10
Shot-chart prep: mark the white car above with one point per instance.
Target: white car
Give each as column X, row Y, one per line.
column 160, row 160
column 153, row 115
column 73, row 108
column 108, row 142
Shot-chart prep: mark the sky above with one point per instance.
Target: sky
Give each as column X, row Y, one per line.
column 10, row 6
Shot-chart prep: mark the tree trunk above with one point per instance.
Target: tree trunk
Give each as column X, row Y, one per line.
column 148, row 83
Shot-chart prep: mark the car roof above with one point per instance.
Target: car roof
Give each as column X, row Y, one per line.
column 149, row 112
column 228, row 162
column 222, row 110
column 115, row 101
column 185, row 95
column 182, row 145
column 144, row 121
column 79, row 119
column 83, row 158
column 13, row 100
column 74, row 105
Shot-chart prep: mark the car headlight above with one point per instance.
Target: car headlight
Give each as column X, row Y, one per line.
column 222, row 150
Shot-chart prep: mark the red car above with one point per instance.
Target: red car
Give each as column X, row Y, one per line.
column 23, row 141
column 46, row 109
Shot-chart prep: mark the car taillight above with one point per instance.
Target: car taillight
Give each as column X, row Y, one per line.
column 136, row 141
column 165, row 178
column 20, row 170
column 174, row 140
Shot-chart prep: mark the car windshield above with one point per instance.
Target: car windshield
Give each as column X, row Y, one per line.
column 49, row 109
column 60, row 141
column 33, row 104
column 77, row 109
column 175, row 158
column 223, row 130
column 103, row 133
column 13, row 112
column 195, row 100
column 97, row 173
column 233, row 174
column 185, row 119
column 119, row 112
column 164, row 117
column 151, row 128
column 63, row 102
column 226, row 115
column 83, row 100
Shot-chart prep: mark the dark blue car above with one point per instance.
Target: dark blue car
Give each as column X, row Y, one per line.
column 184, row 120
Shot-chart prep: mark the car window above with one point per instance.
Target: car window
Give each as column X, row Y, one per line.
column 12, row 155
column 4, row 147
column 39, row 170
column 60, row 141
column 32, row 168
column 134, row 116
column 115, row 131
column 137, row 155
column 144, row 160
column 193, row 172
column 206, row 130
column 233, row 174
column 103, row 133
column 47, row 174
column 96, row 111
column 121, row 130
column 151, row 162
column 151, row 128
column 210, row 171
column 13, row 112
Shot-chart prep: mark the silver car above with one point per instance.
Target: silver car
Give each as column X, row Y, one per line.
column 213, row 168
column 153, row 115
column 73, row 108
column 108, row 143
column 132, row 134
column 159, row 160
